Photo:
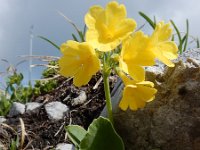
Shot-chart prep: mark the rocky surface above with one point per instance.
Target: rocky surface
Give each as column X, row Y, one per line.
column 172, row 120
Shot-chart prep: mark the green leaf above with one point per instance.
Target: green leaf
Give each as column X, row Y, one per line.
column 52, row 43
column 74, row 37
column 101, row 135
column 178, row 34
column 84, row 30
column 172, row 38
column 70, row 22
column 187, row 33
column 75, row 134
column 184, row 38
column 154, row 20
column 151, row 23
column 81, row 36
column 75, row 27
column 14, row 144
column 198, row 43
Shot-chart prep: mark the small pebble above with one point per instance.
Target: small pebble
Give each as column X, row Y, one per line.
column 80, row 99
column 64, row 146
column 56, row 110
column 17, row 109
column 33, row 106
column 2, row 119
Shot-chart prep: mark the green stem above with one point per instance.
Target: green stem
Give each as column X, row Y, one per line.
column 107, row 90
column 108, row 97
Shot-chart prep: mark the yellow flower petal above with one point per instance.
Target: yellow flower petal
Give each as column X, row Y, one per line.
column 166, row 51
column 127, row 98
column 160, row 45
column 114, row 12
column 135, row 71
column 123, row 66
column 79, row 60
column 126, row 80
column 162, row 32
column 169, row 49
column 68, row 69
column 136, row 97
column 136, row 94
column 82, row 77
column 135, row 49
column 146, row 83
column 65, row 46
column 108, row 27
column 135, row 54
column 92, row 16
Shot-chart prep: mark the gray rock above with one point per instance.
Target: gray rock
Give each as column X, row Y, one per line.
column 80, row 99
column 154, row 73
column 64, row 146
column 32, row 106
column 2, row 119
column 172, row 120
column 56, row 110
column 17, row 109
column 193, row 53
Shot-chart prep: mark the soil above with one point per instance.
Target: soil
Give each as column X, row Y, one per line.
column 42, row 133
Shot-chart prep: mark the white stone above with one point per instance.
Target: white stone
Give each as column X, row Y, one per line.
column 80, row 99
column 32, row 106
column 64, row 146
column 2, row 119
column 17, row 109
column 56, row 110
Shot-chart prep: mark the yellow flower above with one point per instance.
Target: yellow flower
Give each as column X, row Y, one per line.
column 79, row 61
column 136, row 94
column 160, row 44
column 108, row 27
column 140, row 50
column 135, row 54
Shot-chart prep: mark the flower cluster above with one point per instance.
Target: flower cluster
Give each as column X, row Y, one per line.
column 110, row 32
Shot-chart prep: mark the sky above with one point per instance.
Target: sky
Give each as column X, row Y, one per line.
column 17, row 17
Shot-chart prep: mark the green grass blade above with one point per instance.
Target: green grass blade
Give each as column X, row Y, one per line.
column 81, row 36
column 154, row 20
column 197, row 42
column 187, row 33
column 151, row 23
column 49, row 41
column 142, row 26
column 184, row 38
column 178, row 34
column 84, row 30
column 172, row 38
column 74, row 37
column 70, row 22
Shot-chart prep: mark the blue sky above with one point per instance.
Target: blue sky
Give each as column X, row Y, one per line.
column 16, row 18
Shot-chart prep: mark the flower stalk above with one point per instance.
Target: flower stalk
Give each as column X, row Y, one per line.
column 106, row 73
